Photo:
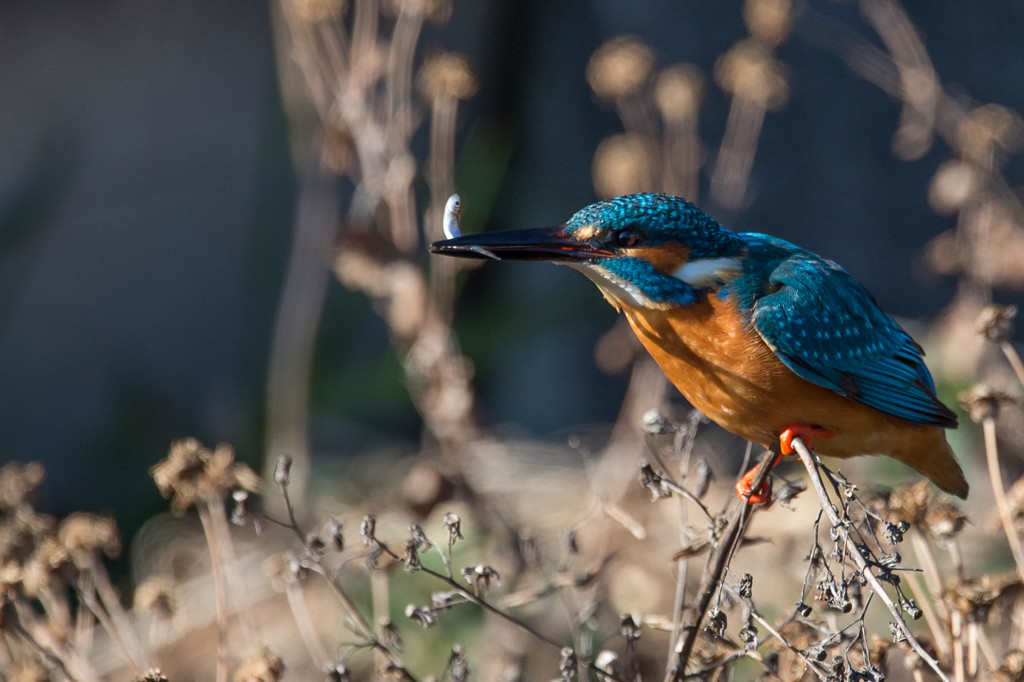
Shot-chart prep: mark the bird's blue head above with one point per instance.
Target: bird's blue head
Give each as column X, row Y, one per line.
column 642, row 250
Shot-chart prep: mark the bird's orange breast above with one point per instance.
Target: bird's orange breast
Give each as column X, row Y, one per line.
column 722, row 366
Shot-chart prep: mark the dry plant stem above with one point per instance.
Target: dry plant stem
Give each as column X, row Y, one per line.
column 684, row 447
column 935, row 626
column 363, row 628
column 1014, row 358
column 858, row 557
column 220, row 589
column 304, row 622
column 229, row 560
column 956, row 625
column 297, row 320
column 399, row 75
column 927, row 559
column 42, row 636
column 87, row 593
column 812, row 664
column 51, row 659
column 918, row 81
column 681, row 159
column 718, row 559
column 736, row 156
column 121, row 620
column 988, row 426
column 380, row 593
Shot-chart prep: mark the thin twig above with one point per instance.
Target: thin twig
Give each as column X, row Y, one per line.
column 718, row 559
column 480, row 601
column 995, row 474
column 855, row 551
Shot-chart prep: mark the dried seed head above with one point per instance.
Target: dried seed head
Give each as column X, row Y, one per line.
column 283, row 569
column 191, row 471
column 424, row 617
column 480, row 577
column 622, row 165
column 158, row 596
column 717, row 623
column 620, row 68
column 283, row 470
column 629, row 626
column 334, row 531
column 608, row 662
column 1012, row 667
column 944, row 520
column 458, row 666
column 973, row 599
column 988, row 131
column 983, row 402
column 18, row 482
column 996, row 322
column 47, row 568
column 678, row 92
column 567, row 663
column 769, row 20
column 748, row 70
column 262, row 666
column 368, row 529
column 338, row 673
column 453, row 525
column 411, row 557
column 653, row 481
column 878, row 648
column 909, row 503
column 317, row 10
column 953, row 184
column 447, row 76
column 388, row 634
column 85, row 535
column 654, row 423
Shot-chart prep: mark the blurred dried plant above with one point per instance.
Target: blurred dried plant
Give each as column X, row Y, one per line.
column 549, row 562
column 358, row 76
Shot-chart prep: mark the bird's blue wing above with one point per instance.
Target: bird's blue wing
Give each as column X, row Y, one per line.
column 826, row 327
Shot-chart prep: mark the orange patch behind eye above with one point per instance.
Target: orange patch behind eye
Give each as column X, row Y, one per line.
column 666, row 258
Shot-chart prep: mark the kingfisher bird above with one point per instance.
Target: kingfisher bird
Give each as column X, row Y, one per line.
column 767, row 339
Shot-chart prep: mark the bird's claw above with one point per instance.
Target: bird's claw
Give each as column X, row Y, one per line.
column 744, row 492
column 805, row 432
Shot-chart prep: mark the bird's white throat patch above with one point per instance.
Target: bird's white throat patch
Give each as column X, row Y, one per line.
column 616, row 290
column 706, row 273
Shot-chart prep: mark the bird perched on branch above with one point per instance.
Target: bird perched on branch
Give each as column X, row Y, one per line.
column 765, row 338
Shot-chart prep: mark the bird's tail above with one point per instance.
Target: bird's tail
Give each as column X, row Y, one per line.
column 932, row 456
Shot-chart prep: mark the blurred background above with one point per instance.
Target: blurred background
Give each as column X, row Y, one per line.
column 168, row 220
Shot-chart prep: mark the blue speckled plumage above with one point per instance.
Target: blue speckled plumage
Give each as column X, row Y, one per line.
column 829, row 330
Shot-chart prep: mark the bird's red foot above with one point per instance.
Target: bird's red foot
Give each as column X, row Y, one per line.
column 744, row 492
column 805, row 431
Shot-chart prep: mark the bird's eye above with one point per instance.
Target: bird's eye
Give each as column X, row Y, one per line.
column 627, row 238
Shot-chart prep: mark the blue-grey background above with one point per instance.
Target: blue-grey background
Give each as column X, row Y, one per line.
column 147, row 195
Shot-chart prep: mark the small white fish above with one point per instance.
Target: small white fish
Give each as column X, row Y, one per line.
column 452, row 208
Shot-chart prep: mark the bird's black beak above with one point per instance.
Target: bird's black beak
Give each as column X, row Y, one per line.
column 538, row 244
